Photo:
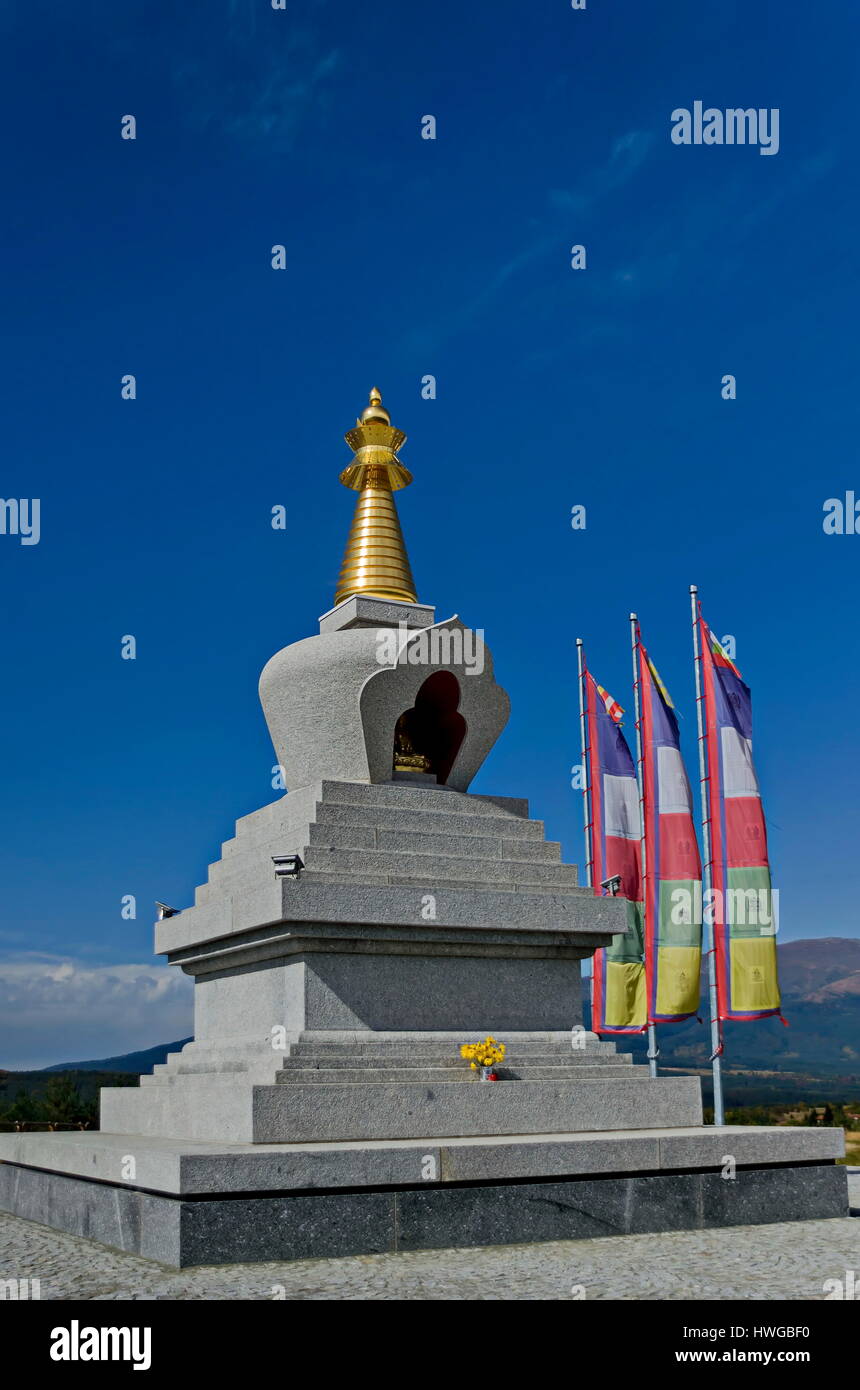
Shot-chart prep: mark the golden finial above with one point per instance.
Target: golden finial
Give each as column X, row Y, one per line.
column 376, row 410
column 375, row 561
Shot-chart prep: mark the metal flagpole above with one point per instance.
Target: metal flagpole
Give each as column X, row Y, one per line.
column 586, row 792
column 704, row 775
column 586, row 789
column 653, row 1050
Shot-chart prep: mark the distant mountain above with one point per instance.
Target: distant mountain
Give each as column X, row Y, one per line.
column 818, row 971
column 137, row 1062
column 820, row 981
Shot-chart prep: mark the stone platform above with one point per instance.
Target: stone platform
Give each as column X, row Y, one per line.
column 391, row 1143
column 192, row 1204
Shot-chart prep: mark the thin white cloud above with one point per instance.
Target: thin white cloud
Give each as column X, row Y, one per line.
column 256, row 82
column 626, row 156
column 56, row 1009
column 724, row 212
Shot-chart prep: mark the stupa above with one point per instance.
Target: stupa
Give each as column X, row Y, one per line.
column 351, row 935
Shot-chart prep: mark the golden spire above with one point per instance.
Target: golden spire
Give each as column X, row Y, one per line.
column 375, row 561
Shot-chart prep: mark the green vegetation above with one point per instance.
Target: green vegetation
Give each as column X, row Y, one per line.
column 40, row 1099
column 774, row 1090
column 832, row 1114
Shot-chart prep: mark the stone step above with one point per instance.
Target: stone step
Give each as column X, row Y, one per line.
column 342, row 1075
column 420, row 1058
column 448, row 822
column 361, row 826
column 385, row 807
column 445, row 1048
column 532, row 864
column 439, row 868
column 190, row 1066
column 325, row 876
column 410, row 797
column 397, row 845
column 363, row 838
column 422, row 885
column 215, row 1108
column 321, row 1111
column 171, row 1057
column 233, row 869
column 288, row 816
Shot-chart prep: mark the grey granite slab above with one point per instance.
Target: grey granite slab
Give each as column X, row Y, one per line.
column 402, row 1110
column 297, row 1076
column 571, row 909
column 774, row 1194
column 421, row 821
column 181, row 1232
column 186, row 1167
column 363, row 610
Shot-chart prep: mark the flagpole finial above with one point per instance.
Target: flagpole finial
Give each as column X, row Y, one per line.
column 694, row 588
column 633, row 618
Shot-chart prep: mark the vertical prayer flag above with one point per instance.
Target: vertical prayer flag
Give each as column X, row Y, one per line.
column 741, row 894
column 619, row 995
column 673, row 868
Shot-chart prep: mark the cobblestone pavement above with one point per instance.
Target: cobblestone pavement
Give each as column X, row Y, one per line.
column 792, row 1260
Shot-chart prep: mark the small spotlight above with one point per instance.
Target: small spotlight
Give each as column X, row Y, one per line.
column 165, row 911
column 287, row 865
column 612, row 884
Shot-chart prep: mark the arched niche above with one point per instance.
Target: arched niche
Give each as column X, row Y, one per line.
column 428, row 736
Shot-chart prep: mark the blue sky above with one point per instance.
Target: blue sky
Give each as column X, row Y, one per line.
column 556, row 387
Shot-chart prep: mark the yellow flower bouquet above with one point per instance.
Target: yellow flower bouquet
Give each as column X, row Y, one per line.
column 484, row 1057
